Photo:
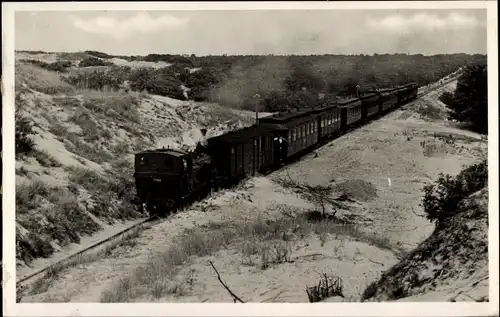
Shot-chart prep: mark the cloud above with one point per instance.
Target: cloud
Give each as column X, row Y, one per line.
column 423, row 22
column 141, row 23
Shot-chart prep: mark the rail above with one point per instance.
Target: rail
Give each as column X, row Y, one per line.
column 30, row 276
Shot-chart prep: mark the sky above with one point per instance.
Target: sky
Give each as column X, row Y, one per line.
column 241, row 32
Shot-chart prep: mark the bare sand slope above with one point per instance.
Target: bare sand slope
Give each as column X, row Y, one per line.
column 259, row 241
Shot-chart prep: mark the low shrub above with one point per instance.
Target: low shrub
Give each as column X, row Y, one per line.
column 441, row 199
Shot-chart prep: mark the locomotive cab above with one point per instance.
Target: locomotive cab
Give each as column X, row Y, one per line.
column 165, row 177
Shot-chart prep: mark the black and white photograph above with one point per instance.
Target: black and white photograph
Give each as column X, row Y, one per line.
column 240, row 153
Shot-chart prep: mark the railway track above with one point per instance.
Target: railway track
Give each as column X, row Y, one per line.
column 27, row 279
column 30, row 278
column 421, row 94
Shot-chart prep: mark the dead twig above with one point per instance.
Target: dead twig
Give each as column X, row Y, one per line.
column 418, row 215
column 235, row 297
column 376, row 262
column 272, row 299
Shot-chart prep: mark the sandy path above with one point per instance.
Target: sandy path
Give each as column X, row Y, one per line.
column 387, row 153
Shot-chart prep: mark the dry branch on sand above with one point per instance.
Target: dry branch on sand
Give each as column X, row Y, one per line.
column 235, row 297
column 318, row 195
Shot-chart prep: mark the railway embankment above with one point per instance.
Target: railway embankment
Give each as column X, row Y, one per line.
column 341, row 216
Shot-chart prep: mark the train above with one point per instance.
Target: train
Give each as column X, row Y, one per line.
column 166, row 179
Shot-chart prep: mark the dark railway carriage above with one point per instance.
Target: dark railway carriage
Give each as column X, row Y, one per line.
column 371, row 104
column 403, row 94
column 328, row 121
column 296, row 130
column 242, row 152
column 389, row 98
column 350, row 112
column 413, row 90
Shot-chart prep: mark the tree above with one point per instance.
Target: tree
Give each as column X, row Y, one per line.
column 470, row 102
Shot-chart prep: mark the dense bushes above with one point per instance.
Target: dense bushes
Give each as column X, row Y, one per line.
column 58, row 66
column 446, row 98
column 95, row 80
column 24, row 130
column 441, row 199
column 469, row 103
column 93, row 61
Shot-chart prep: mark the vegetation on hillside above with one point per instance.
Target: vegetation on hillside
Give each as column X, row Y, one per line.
column 441, row 199
column 469, row 102
column 242, row 81
column 270, row 83
column 57, row 66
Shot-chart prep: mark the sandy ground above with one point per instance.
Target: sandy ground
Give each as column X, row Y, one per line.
column 397, row 154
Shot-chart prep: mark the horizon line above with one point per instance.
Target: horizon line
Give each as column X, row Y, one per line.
column 39, row 51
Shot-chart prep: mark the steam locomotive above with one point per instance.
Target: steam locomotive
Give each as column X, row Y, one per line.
column 166, row 178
